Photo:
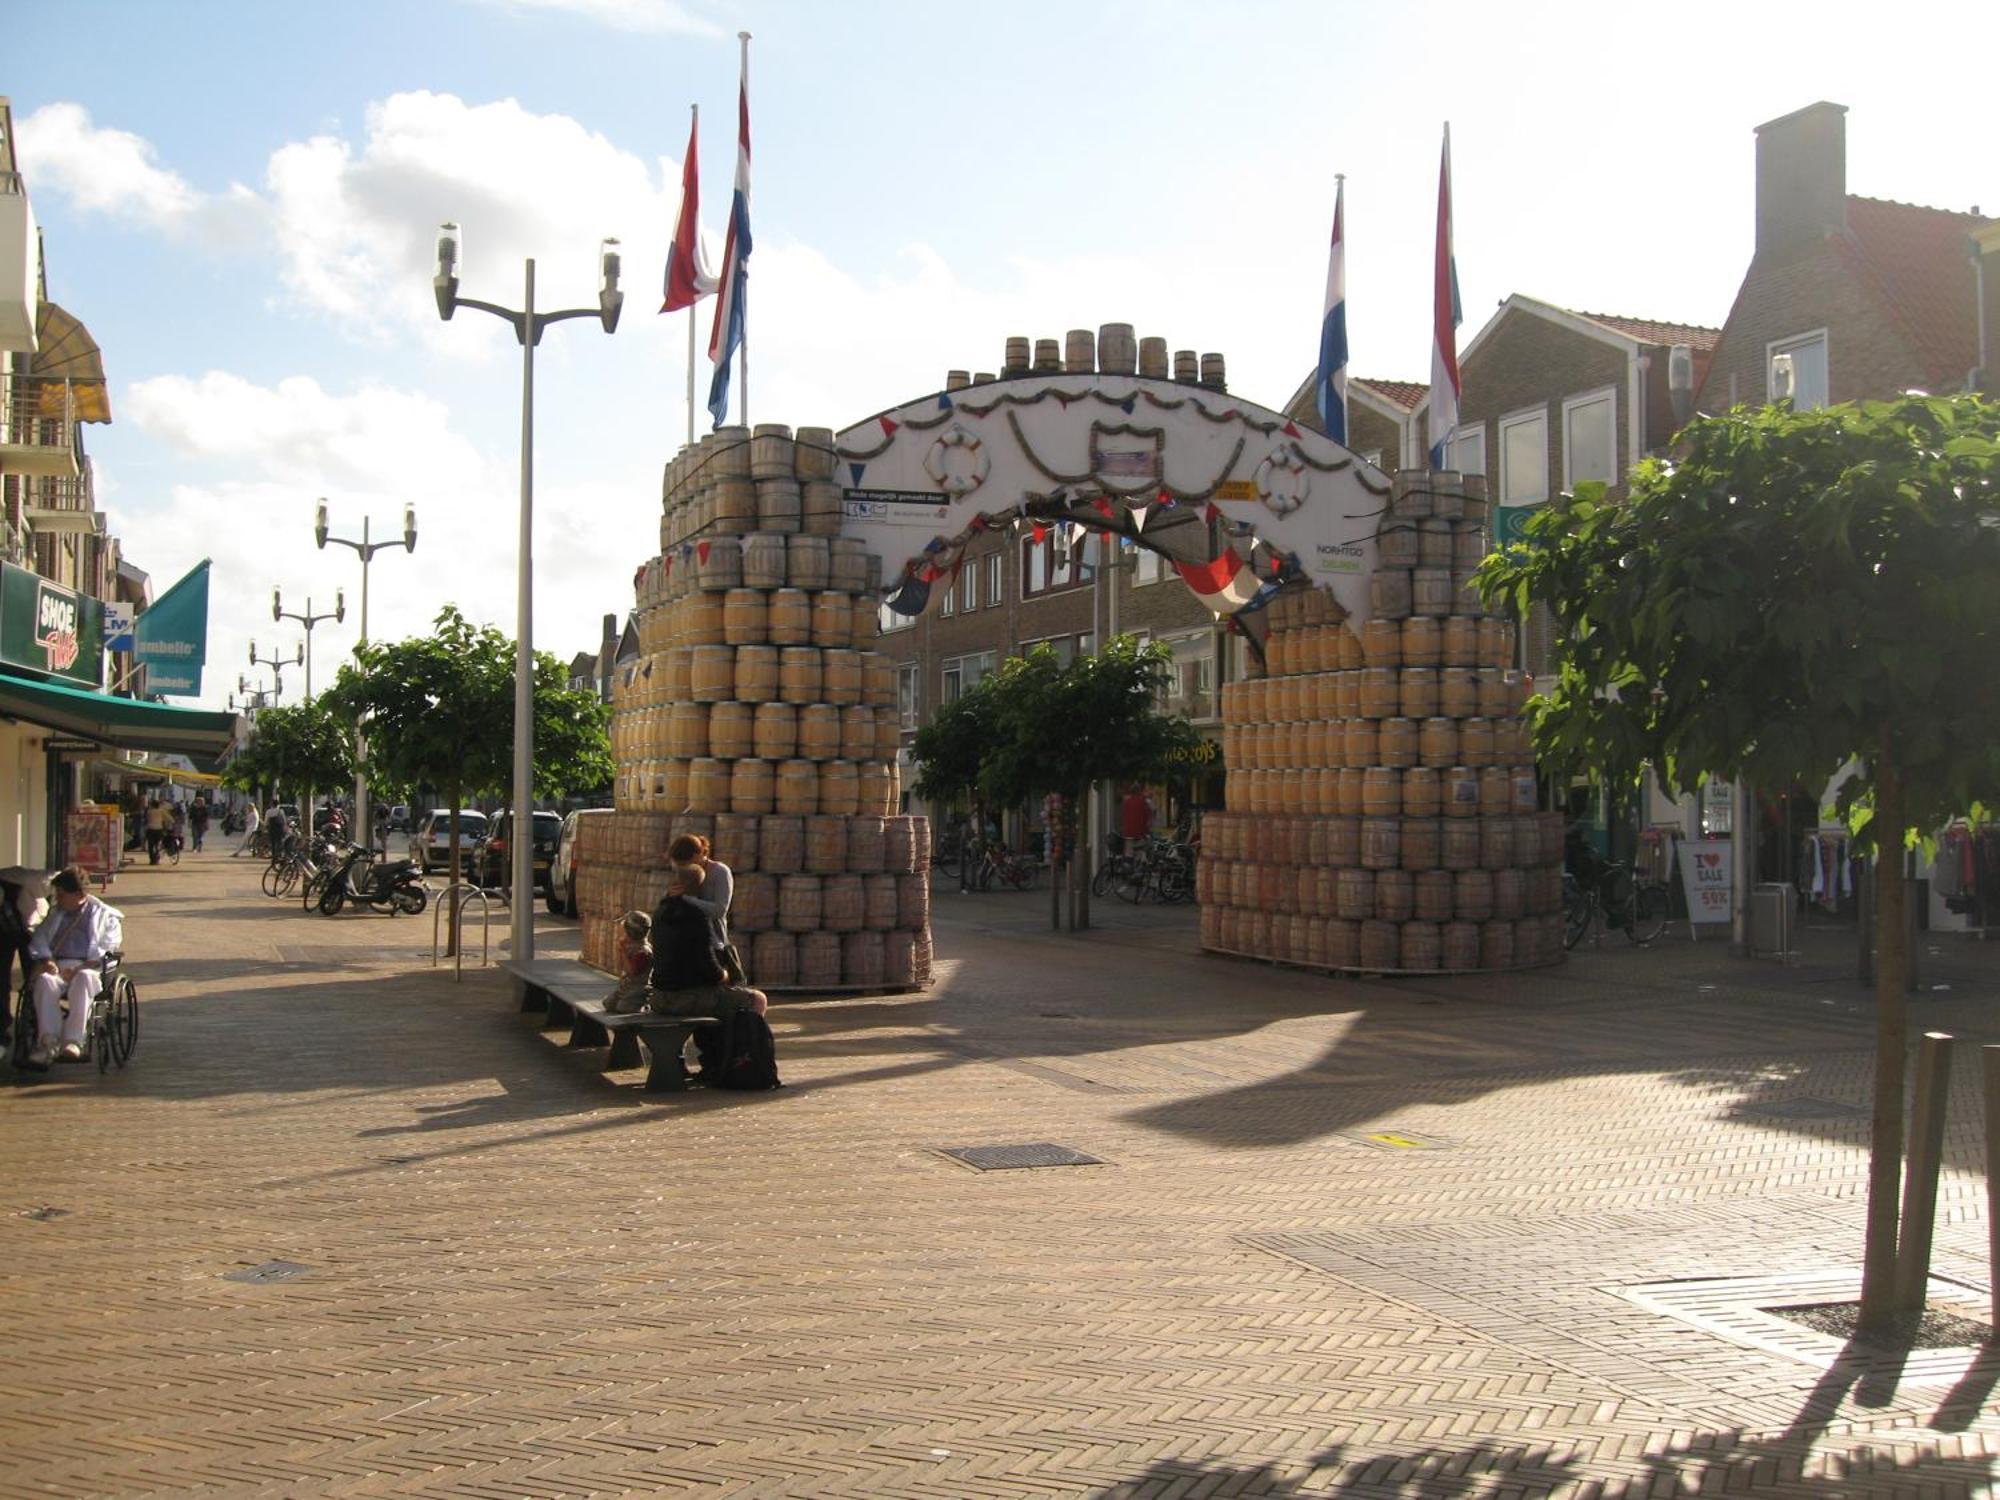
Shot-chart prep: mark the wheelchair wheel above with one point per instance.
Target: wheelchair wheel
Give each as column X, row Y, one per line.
column 23, row 1041
column 98, row 1034
column 124, row 1028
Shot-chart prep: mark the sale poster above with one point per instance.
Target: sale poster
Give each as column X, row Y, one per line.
column 1705, row 879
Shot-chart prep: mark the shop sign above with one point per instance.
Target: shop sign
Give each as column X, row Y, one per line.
column 1236, row 489
column 1510, row 523
column 896, row 506
column 48, row 628
column 1705, row 879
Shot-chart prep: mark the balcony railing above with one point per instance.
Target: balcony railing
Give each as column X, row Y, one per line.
column 62, row 504
column 38, row 427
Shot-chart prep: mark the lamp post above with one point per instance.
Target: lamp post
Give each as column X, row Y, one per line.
column 309, row 619
column 366, row 550
column 527, row 325
column 277, row 664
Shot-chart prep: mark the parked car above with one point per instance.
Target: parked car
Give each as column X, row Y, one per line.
column 399, row 818
column 430, row 845
column 495, row 855
column 562, row 874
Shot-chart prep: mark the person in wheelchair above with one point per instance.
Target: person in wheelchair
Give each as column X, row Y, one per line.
column 64, row 957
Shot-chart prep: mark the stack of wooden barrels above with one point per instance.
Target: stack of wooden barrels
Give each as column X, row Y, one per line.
column 1382, row 803
column 756, row 712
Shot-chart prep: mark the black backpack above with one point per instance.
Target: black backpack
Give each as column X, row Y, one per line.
column 742, row 1056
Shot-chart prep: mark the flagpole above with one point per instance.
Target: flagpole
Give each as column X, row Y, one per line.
column 694, row 307
column 743, row 398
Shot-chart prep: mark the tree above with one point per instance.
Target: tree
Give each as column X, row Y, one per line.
column 1037, row 727
column 440, row 712
column 1799, row 591
column 301, row 746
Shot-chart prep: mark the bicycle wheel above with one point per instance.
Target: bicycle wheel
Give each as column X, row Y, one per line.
column 1649, row 913
column 1132, row 882
column 1578, row 908
column 270, row 880
column 289, row 877
column 313, row 888
column 1100, row 883
column 1175, row 887
column 1016, row 874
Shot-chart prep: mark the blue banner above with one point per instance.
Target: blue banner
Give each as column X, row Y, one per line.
column 172, row 636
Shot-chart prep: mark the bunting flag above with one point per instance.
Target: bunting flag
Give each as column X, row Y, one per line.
column 945, row 402
column 889, row 428
column 731, row 314
column 701, row 552
column 1225, row 585
column 688, row 276
column 857, row 470
column 1332, row 382
column 1446, row 315
column 911, row 598
column 1040, row 531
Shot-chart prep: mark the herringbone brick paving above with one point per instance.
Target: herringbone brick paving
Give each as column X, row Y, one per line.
column 528, row 1279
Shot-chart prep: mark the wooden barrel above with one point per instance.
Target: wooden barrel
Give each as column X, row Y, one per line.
column 840, row 676
column 1511, row 745
column 1379, row 947
column 733, row 839
column 781, row 844
column 1430, row 591
column 799, row 903
column 1496, row 945
column 866, row 839
column 1278, row 653
column 899, row 845
column 1360, row 740
column 1496, row 791
column 1381, row 843
column 675, row 668
column 1325, row 690
column 774, row 731
column 771, row 455
column 1418, row 692
column 1422, row 641
column 1475, row 742
column 1468, row 546
column 1508, row 892
column 862, row 963
column 1526, row 790
column 1465, row 595
column 726, row 451
column 671, row 785
column 719, row 563
column 735, row 501
column 1396, row 545
column 1458, row 692
column 899, row 960
column 1381, row 792
column 863, row 622
column 1437, row 742
column 832, row 619
column 1390, row 595
column 847, row 564
column 756, row 676
column 1490, row 693
column 806, row 562
column 1433, row 543
column 708, row 784
column 1421, row 838
column 731, row 733
column 796, row 789
column 1396, row 742
column 878, row 902
column 1550, row 849
column 1495, row 642
column 799, row 675
column 750, row 786
column 687, row 729
column 1382, row 643
column 1420, row 949
column 819, row 732
column 839, row 788
column 878, row 678
column 819, row 960
column 1379, row 692
column 820, row 502
column 764, row 560
column 1348, row 784
column 1289, row 788
column 1458, row 843
column 754, row 906
column 888, row 735
column 712, row 674
column 1346, row 690
column 857, row 733
column 840, row 907
column 1354, row 894
column 778, row 505
column 744, row 620
column 1458, row 947
column 1421, row 792
column 1433, row 896
column 1472, row 895
column 789, row 618
column 701, row 619
column 875, row 788
column 913, row 901
column 774, row 960
column 1459, row 642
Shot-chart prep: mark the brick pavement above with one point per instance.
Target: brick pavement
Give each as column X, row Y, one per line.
column 523, row 1278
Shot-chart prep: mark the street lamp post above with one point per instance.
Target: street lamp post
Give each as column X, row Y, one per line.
column 277, row 664
column 309, row 619
column 527, row 325
column 366, row 550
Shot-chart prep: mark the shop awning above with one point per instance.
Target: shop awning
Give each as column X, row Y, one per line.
column 127, row 723
column 66, row 352
column 146, row 770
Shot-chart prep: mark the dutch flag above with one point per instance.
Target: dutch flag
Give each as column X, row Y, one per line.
column 1446, row 316
column 1332, row 384
column 730, row 310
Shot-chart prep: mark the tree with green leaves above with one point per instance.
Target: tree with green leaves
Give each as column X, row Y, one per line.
column 1796, row 593
column 439, row 711
column 300, row 746
column 1037, row 727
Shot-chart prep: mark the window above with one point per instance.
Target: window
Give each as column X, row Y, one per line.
column 950, row 605
column 1034, row 566
column 1524, row 458
column 1148, row 566
column 1590, row 438
column 962, row 673
column 1799, row 362
column 908, row 708
column 887, row 619
column 968, row 587
column 996, row 588
column 1050, row 563
column 1189, row 687
column 1468, row 451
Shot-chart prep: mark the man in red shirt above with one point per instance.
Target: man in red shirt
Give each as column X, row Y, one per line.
column 1135, row 816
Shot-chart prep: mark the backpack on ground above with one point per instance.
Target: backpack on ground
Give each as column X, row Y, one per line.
column 740, row 1053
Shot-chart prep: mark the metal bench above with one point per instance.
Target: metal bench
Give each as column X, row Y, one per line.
column 570, row 994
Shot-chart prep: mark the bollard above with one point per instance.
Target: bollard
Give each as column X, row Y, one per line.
column 1920, row 1182
column 1991, row 1055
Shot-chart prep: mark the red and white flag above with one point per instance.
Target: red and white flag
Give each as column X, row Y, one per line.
column 1445, row 318
column 688, row 276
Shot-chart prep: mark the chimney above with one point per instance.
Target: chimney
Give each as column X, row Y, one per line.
column 1801, row 178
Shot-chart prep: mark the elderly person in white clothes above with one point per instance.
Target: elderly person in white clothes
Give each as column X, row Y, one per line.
column 63, row 955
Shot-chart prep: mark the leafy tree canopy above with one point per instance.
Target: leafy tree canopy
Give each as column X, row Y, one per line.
column 299, row 746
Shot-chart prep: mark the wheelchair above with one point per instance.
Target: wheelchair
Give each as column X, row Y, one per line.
column 110, row 1035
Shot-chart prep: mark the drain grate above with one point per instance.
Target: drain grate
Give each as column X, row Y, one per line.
column 1006, row 1158
column 268, row 1271
column 1804, row 1107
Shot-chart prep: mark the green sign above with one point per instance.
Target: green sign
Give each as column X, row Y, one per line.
column 48, row 628
column 172, row 636
column 1510, row 522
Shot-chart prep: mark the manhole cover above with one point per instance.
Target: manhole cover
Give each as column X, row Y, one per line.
column 1804, row 1107
column 270, row 1270
column 1397, row 1140
column 1003, row 1158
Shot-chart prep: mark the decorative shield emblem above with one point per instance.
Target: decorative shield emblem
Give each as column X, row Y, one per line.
column 1126, row 460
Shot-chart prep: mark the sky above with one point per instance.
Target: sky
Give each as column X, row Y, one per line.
column 240, row 200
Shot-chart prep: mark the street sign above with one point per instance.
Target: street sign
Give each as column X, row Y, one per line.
column 1510, row 523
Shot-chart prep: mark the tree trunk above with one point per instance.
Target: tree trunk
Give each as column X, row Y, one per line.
column 1080, row 870
column 1892, row 967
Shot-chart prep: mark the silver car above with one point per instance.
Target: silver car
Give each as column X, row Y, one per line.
column 430, row 845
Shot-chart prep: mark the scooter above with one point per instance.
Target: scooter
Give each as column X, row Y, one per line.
column 394, row 885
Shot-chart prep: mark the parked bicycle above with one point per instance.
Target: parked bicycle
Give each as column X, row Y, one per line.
column 987, row 862
column 1616, row 898
column 1155, row 868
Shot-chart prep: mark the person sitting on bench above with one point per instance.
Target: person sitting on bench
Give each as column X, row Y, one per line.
column 65, row 951
column 687, row 977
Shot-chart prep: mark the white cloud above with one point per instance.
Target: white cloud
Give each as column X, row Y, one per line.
column 113, row 172
column 663, row 17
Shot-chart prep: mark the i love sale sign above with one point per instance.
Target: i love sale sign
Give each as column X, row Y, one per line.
column 1705, row 879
